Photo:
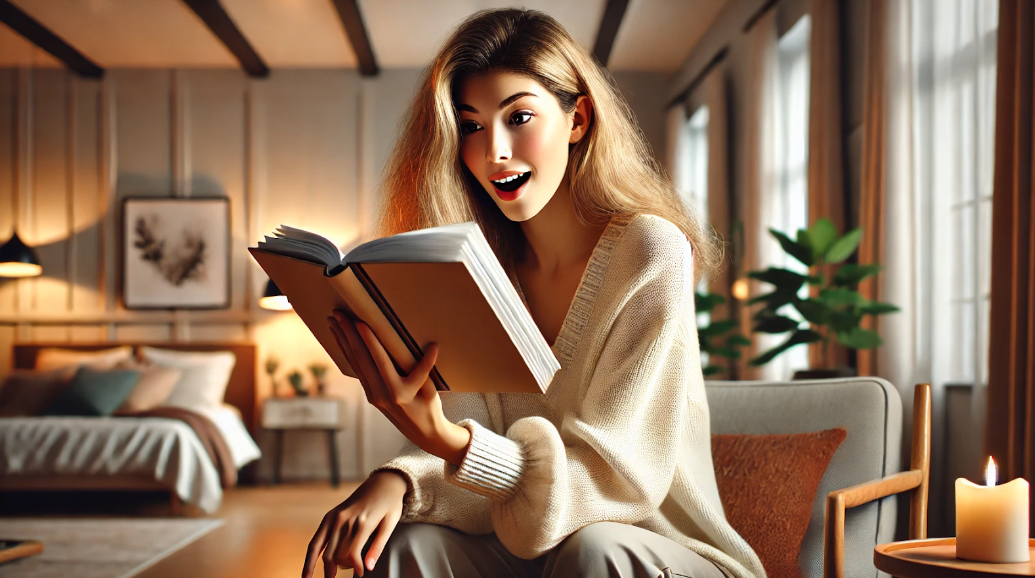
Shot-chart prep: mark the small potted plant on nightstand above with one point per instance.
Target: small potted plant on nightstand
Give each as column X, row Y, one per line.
column 272, row 364
column 295, row 378
column 319, row 370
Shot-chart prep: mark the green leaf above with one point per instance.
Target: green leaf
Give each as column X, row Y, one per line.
column 850, row 273
column 844, row 321
column 822, row 233
column 859, row 338
column 843, row 248
column 738, row 340
column 781, row 278
column 840, row 297
column 718, row 327
column 705, row 302
column 800, row 251
column 710, row 370
column 818, row 279
column 799, row 337
column 727, row 352
column 813, row 311
column 875, row 308
column 775, row 324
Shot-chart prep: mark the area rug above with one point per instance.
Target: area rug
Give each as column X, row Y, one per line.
column 98, row 547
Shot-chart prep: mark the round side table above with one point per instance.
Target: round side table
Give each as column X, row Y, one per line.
column 936, row 558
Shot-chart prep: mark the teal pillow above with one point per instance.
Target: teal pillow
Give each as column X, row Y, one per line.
column 94, row 393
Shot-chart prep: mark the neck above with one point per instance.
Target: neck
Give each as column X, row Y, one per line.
column 555, row 237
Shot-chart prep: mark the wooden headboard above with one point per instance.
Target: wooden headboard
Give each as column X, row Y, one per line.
column 240, row 392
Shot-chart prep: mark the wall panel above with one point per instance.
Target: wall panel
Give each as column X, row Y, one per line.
column 86, row 208
column 48, row 189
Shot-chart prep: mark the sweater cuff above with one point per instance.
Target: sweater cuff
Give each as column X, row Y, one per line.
column 492, row 466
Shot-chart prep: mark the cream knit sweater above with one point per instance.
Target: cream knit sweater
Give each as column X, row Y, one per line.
column 621, row 435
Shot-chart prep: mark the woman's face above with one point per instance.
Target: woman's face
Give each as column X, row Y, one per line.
column 515, row 139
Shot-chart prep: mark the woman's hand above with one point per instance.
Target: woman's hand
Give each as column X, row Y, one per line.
column 344, row 531
column 411, row 401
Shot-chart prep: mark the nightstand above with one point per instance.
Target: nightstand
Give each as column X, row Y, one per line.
column 304, row 413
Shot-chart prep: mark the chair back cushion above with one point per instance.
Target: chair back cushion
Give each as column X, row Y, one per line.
column 870, row 411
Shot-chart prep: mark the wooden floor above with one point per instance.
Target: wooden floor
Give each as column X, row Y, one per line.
column 266, row 533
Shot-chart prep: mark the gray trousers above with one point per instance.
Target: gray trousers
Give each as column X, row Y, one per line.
column 601, row 550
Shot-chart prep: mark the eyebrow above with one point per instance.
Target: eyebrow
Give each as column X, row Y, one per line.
column 506, row 101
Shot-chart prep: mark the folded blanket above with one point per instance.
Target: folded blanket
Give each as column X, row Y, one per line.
column 209, row 435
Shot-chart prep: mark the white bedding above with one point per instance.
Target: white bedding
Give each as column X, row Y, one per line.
column 166, row 449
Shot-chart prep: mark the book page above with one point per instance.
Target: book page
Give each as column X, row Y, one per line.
column 353, row 292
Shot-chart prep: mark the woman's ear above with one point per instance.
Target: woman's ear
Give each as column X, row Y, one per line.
column 582, row 118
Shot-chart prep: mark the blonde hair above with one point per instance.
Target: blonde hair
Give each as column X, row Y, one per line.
column 611, row 170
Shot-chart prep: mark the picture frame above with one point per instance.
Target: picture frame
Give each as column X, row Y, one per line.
column 175, row 253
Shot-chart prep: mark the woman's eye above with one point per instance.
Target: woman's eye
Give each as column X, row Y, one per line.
column 469, row 127
column 521, row 117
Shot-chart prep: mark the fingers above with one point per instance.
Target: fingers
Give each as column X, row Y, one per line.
column 339, row 520
column 343, row 344
column 377, row 351
column 423, row 369
column 378, row 391
column 316, row 545
column 364, row 527
column 411, row 383
column 384, row 531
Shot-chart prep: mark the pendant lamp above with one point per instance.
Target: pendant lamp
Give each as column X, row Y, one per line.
column 18, row 259
column 273, row 299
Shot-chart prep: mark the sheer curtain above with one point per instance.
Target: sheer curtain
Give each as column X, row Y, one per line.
column 782, row 189
column 942, row 69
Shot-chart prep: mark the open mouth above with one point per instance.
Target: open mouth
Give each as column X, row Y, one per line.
column 512, row 183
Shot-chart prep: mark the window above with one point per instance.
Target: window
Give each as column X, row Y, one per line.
column 787, row 206
column 954, row 51
column 695, row 189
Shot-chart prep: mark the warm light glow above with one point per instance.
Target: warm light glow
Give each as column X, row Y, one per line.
column 991, row 476
column 277, row 303
column 19, row 270
column 740, row 289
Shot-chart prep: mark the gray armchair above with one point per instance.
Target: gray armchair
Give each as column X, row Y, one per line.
column 863, row 474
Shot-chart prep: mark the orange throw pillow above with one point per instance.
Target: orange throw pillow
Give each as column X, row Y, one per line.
column 767, row 484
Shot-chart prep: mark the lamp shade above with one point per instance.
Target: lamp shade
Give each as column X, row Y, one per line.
column 18, row 259
column 273, row 299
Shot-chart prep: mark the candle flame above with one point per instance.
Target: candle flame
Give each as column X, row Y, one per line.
column 990, row 473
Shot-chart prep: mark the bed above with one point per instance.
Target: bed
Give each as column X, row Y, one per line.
column 134, row 453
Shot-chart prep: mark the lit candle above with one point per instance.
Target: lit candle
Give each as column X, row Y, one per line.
column 992, row 521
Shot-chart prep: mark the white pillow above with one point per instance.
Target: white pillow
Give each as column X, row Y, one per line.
column 205, row 375
column 50, row 358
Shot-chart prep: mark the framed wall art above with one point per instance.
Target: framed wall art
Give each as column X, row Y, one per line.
column 175, row 253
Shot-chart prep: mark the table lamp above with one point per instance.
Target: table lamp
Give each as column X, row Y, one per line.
column 273, row 298
column 18, row 259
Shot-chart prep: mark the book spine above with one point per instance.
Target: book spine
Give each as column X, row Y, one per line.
column 382, row 304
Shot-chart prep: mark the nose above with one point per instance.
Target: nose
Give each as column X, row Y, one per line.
column 499, row 145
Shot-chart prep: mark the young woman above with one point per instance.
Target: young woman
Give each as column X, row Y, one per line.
column 610, row 472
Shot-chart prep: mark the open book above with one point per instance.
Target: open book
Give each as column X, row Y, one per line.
column 442, row 285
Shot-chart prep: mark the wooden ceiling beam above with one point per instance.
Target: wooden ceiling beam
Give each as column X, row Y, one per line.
column 356, row 31
column 41, row 36
column 609, row 24
column 218, row 21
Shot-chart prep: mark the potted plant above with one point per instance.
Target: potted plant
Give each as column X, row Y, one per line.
column 272, row 363
column 832, row 311
column 319, row 370
column 295, row 378
column 715, row 337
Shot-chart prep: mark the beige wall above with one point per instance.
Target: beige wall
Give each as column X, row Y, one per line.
column 303, row 147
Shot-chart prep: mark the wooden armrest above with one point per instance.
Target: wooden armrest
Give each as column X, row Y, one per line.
column 915, row 479
column 870, row 491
